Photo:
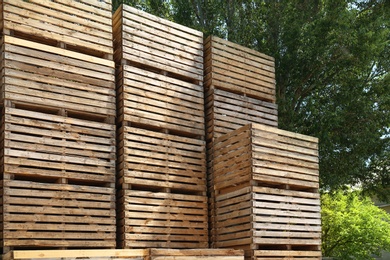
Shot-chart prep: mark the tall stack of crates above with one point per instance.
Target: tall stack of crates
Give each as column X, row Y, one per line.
column 239, row 89
column 57, row 125
column 162, row 197
column 263, row 182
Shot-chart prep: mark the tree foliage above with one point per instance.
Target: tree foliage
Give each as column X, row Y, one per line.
column 332, row 72
column 352, row 227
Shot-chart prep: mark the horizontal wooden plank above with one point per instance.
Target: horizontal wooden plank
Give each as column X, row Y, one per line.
column 76, row 254
column 83, row 25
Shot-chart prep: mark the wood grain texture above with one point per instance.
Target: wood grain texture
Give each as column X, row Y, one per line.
column 44, row 214
column 40, row 145
column 83, row 25
column 159, row 160
column 160, row 219
column 238, row 69
column 37, row 74
column 147, row 40
column 159, row 101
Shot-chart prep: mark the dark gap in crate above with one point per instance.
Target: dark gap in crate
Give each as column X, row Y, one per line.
column 305, row 248
column 48, row 179
column 163, row 189
column 160, row 130
column 162, row 72
column 272, row 247
column 55, row 43
column 209, row 86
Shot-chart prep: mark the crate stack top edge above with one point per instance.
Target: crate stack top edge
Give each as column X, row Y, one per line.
column 83, row 26
column 156, row 44
column 238, row 69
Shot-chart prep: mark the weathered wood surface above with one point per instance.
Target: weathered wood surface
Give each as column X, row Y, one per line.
column 238, row 69
column 163, row 220
column 93, row 254
column 226, row 111
column 159, row 160
column 53, row 77
column 287, row 254
column 150, row 42
column 256, row 216
column 84, row 26
column 196, row 254
column 44, row 214
column 159, row 101
column 265, row 155
column 40, row 145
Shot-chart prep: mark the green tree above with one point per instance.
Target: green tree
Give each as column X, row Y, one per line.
column 332, row 61
column 352, row 227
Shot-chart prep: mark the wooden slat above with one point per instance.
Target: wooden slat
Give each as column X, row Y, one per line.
column 123, row 254
column 196, row 254
column 161, row 160
column 159, row 219
column 147, row 40
column 48, row 76
column 159, row 101
column 238, row 69
column 83, row 25
column 49, row 146
column 36, row 213
column 287, row 254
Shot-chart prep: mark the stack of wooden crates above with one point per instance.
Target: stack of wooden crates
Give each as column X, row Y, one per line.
column 57, row 125
column 263, row 181
column 162, row 198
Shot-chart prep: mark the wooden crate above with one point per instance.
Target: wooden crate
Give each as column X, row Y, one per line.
column 266, row 156
column 41, row 146
column 152, row 43
column 158, row 101
column 238, row 69
column 93, row 254
column 226, row 111
column 38, row 74
column 196, row 254
column 159, row 160
column 159, row 219
column 84, row 26
column 57, row 215
column 269, row 219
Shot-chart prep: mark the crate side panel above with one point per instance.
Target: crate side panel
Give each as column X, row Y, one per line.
column 83, row 25
column 162, row 160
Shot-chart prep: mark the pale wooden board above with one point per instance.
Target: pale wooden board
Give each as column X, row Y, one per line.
column 85, row 25
column 133, row 254
column 49, row 146
column 159, row 101
column 42, row 214
column 43, row 75
column 238, row 69
column 160, row 219
column 226, row 111
column 287, row 254
column 145, row 39
column 161, row 160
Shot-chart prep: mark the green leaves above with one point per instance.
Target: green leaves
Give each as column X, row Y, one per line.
column 353, row 228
